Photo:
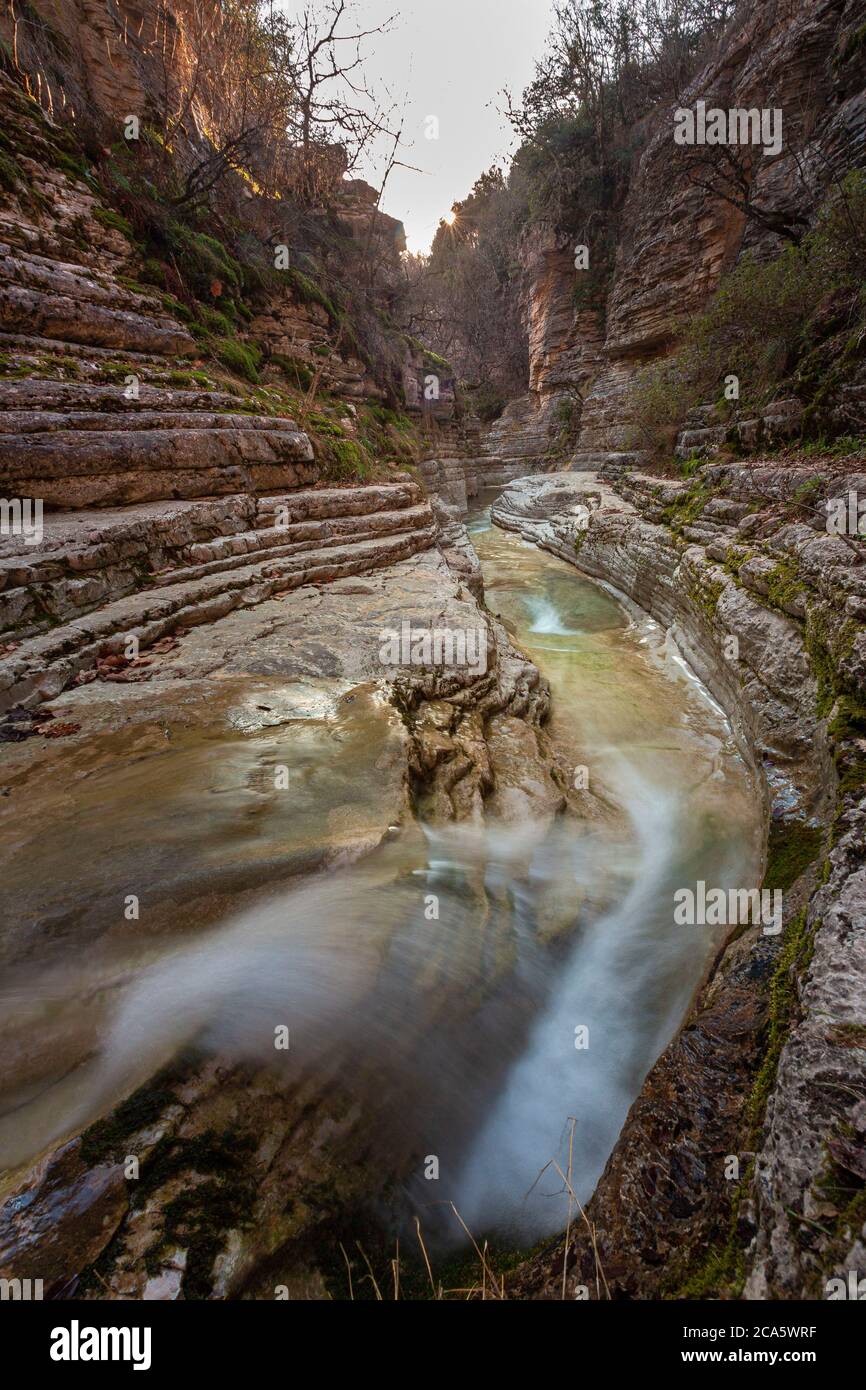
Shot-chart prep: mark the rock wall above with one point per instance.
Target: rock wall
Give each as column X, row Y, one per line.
column 675, row 240
column 768, row 609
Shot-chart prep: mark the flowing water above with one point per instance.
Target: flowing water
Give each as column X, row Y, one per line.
column 626, row 708
column 514, row 1028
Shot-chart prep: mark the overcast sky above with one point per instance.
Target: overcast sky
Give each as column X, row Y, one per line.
column 450, row 59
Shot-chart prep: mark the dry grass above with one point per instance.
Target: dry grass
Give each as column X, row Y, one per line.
column 489, row 1285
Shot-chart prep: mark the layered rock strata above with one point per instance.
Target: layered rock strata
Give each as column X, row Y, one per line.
column 739, row 1170
column 270, row 1160
column 591, row 332
column 99, row 579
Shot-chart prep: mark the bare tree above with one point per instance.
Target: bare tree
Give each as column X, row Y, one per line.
column 244, row 85
column 333, row 103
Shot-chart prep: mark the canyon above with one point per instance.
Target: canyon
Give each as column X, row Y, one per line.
column 201, row 742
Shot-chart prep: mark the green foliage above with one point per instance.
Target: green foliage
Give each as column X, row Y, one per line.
column 764, row 319
column 486, row 401
column 201, row 259
column 465, row 299
column 841, row 447
column 688, row 467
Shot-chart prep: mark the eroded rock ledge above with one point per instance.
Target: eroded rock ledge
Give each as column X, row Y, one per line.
column 243, row 1172
column 770, row 1066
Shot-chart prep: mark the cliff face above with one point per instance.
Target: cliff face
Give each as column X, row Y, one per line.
column 739, row 1170
column 675, row 240
column 86, row 67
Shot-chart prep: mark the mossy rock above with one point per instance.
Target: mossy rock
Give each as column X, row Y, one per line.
column 792, row 847
column 243, row 359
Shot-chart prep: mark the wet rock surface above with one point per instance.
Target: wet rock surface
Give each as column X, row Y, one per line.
column 166, row 770
column 768, row 1068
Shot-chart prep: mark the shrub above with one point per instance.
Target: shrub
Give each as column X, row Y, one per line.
column 762, row 321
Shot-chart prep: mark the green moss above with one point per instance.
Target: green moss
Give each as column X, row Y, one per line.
column 322, row 425
column 705, row 592
column 784, row 584
column 847, row 728
column 346, row 459
column 242, row 358
column 439, row 364
column 687, row 506
column 153, row 272
column 106, row 1141
column 688, row 467
column 431, row 359
column 806, row 491
column 297, row 373
column 12, row 176
column 73, row 166
column 791, row 849
column 309, row 292
column 841, row 1189
column 736, row 557
column 794, row 959
column 186, row 379
column 111, row 219
column 827, row 646
column 849, row 719
column 11, row 370
column 720, row 1271
column 215, row 321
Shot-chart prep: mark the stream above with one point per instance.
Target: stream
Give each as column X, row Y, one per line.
column 626, row 707
column 507, row 1034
